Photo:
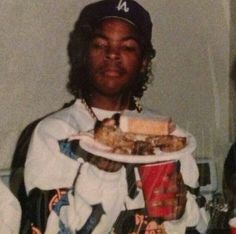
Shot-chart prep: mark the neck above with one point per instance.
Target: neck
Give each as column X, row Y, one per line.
column 108, row 103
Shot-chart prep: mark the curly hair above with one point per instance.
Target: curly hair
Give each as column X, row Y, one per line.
column 78, row 84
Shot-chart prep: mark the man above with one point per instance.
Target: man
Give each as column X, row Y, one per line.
column 110, row 53
column 10, row 211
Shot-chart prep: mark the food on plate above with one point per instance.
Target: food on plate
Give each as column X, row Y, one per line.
column 148, row 126
column 128, row 135
column 168, row 143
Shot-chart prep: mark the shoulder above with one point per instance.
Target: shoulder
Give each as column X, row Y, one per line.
column 232, row 150
column 68, row 120
column 56, row 119
column 231, row 156
column 147, row 113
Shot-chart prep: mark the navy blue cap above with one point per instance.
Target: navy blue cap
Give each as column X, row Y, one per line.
column 128, row 10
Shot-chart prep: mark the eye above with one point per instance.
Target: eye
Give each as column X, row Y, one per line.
column 130, row 46
column 99, row 44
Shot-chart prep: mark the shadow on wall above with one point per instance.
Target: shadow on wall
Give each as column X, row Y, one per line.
column 233, row 74
column 229, row 173
column 232, row 100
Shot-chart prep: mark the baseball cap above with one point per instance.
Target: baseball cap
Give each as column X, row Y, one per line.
column 128, row 10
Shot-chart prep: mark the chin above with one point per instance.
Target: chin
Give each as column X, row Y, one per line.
column 112, row 91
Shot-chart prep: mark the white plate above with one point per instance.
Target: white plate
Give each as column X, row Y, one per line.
column 90, row 146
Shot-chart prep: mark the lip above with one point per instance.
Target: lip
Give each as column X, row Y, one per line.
column 112, row 71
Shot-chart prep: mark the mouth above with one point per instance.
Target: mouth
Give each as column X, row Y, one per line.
column 112, row 71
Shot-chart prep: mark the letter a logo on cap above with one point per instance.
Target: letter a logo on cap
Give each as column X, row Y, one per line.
column 122, row 6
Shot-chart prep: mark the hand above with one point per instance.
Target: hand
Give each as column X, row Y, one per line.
column 176, row 202
column 104, row 164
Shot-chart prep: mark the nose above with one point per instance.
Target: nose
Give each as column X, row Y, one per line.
column 113, row 52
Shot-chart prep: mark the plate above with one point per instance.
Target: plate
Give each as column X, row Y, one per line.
column 90, row 146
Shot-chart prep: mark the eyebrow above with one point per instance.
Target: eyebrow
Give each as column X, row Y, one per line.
column 126, row 38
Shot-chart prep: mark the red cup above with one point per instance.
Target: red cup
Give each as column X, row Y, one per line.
column 232, row 225
column 157, row 188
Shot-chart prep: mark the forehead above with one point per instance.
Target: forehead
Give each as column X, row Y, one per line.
column 116, row 27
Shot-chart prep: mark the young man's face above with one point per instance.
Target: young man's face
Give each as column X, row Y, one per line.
column 114, row 57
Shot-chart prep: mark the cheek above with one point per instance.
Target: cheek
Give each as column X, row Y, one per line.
column 133, row 64
column 132, row 69
column 94, row 59
column 92, row 63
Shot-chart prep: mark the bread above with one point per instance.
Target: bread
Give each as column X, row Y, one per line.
column 146, row 126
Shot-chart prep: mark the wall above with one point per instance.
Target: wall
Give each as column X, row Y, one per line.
column 192, row 71
column 233, row 70
column 191, row 68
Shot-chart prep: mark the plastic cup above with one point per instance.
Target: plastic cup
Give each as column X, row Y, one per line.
column 156, row 186
column 232, row 225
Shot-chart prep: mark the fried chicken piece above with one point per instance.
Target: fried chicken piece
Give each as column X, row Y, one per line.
column 169, row 143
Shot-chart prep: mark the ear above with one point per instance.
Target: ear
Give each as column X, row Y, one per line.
column 144, row 65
